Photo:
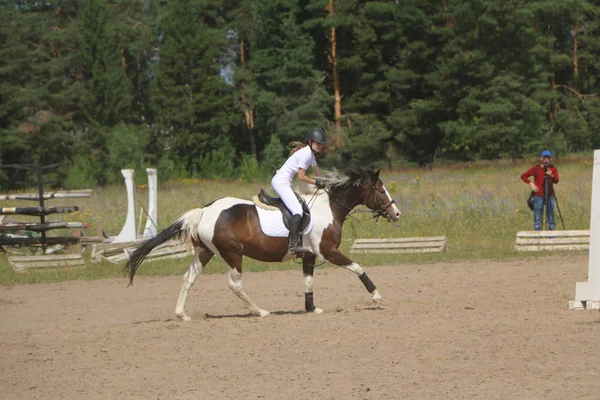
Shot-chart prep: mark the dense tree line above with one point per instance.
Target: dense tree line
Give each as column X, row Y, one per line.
column 205, row 88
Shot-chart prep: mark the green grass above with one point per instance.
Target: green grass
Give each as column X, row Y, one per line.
column 479, row 206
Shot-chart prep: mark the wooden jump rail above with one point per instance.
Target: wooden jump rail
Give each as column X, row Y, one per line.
column 119, row 252
column 552, row 240
column 25, row 263
column 431, row 244
column 67, row 194
column 37, row 211
column 37, row 227
column 8, row 229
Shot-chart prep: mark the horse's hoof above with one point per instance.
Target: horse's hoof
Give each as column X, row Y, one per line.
column 376, row 297
column 183, row 317
column 263, row 313
column 318, row 311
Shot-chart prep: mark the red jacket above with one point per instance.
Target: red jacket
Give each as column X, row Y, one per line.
column 537, row 171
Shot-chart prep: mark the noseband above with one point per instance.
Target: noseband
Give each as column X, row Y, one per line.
column 381, row 211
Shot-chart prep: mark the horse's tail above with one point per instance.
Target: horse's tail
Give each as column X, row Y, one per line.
column 185, row 227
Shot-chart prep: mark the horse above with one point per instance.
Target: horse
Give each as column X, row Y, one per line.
column 230, row 228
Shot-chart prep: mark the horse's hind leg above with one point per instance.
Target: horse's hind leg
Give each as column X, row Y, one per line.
column 234, row 280
column 308, row 268
column 202, row 256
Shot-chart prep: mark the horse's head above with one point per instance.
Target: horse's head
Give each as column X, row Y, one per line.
column 378, row 198
column 360, row 186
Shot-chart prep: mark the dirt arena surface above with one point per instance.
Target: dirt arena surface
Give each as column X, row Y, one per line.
column 479, row 329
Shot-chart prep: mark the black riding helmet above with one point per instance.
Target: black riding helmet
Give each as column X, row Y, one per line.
column 316, row 134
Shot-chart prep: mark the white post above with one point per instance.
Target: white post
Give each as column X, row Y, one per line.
column 152, row 221
column 128, row 232
column 587, row 294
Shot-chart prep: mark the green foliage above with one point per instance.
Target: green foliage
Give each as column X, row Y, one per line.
column 273, row 156
column 107, row 89
column 365, row 142
column 249, row 169
column 125, row 148
column 287, row 89
column 218, row 164
column 81, row 174
column 192, row 106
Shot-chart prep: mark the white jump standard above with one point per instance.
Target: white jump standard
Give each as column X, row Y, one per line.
column 587, row 294
column 150, row 229
column 127, row 234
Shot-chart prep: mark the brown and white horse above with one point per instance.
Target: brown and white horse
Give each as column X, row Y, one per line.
column 230, row 228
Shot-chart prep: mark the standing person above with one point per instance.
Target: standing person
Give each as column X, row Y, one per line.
column 301, row 158
column 545, row 175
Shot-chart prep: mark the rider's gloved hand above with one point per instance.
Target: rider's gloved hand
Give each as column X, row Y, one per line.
column 319, row 183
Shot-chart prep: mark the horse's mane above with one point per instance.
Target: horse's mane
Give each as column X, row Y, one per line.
column 352, row 177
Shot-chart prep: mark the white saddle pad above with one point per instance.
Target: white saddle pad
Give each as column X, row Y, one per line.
column 271, row 223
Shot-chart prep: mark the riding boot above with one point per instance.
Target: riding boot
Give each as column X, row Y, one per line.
column 294, row 233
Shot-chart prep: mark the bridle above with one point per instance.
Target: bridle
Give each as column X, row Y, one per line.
column 380, row 212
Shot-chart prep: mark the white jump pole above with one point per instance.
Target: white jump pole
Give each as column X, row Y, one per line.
column 587, row 294
column 128, row 232
column 152, row 221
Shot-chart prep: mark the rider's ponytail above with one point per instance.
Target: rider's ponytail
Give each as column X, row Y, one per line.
column 296, row 146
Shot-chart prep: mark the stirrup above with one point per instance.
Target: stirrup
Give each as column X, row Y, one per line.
column 302, row 252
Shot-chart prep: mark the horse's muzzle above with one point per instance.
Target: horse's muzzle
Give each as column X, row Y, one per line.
column 393, row 217
column 390, row 212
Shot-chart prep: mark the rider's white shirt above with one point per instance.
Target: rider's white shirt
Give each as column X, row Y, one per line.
column 303, row 158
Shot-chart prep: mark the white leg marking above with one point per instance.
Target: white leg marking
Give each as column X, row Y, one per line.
column 235, row 284
column 188, row 281
column 308, row 288
column 376, row 297
column 308, row 283
column 354, row 267
column 358, row 270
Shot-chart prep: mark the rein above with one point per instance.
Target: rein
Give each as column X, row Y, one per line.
column 380, row 212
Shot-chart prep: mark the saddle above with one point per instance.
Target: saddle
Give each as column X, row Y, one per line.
column 269, row 200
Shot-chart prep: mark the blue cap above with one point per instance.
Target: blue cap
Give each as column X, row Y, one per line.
column 546, row 153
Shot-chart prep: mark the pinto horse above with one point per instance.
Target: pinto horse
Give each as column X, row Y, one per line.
column 230, row 227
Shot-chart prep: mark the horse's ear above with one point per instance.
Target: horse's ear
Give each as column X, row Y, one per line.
column 377, row 174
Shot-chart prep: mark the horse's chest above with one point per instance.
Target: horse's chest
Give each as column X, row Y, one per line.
column 322, row 219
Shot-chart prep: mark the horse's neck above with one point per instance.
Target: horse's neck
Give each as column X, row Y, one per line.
column 342, row 201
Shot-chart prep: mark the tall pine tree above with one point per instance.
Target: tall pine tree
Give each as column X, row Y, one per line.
column 193, row 109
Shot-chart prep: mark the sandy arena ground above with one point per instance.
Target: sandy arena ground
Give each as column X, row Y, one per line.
column 480, row 329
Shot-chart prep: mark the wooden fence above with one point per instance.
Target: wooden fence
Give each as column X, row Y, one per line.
column 552, row 240
column 431, row 244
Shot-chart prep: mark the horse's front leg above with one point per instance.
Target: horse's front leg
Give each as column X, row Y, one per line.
column 308, row 268
column 334, row 256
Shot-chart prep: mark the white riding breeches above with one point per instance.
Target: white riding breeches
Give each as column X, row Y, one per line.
column 287, row 195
